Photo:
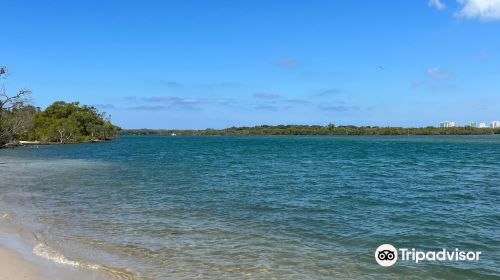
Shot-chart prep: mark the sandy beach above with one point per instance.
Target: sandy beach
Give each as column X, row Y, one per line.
column 13, row 266
column 18, row 261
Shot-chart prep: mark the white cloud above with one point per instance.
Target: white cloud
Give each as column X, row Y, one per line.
column 436, row 73
column 481, row 9
column 330, row 92
column 437, row 4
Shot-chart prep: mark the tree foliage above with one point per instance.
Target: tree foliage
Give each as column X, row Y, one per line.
column 329, row 129
column 69, row 122
column 61, row 122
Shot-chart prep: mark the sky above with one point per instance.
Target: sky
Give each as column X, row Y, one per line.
column 189, row 64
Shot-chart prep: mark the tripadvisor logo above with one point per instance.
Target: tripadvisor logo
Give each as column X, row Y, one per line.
column 387, row 255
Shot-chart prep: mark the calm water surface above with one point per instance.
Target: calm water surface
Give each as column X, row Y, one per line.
column 258, row 207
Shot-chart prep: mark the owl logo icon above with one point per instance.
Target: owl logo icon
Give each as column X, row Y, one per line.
column 386, row 255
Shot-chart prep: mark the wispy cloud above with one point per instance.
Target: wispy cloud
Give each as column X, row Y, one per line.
column 146, row 107
column 287, row 62
column 437, row 4
column 266, row 95
column 338, row 108
column 296, row 101
column 165, row 82
column 435, row 85
column 486, row 10
column 437, row 73
column 173, row 84
column 330, row 92
column 173, row 100
column 185, row 102
column 442, row 88
column 266, row 107
column 104, row 106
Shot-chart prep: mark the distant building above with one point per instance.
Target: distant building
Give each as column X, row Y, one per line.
column 495, row 124
column 474, row 124
column 483, row 125
column 446, row 124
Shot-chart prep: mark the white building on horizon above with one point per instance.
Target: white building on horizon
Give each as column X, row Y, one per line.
column 495, row 124
column 446, row 124
column 482, row 125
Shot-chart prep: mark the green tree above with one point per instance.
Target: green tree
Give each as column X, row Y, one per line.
column 69, row 122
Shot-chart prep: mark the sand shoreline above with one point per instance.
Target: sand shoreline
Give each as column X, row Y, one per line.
column 18, row 261
column 14, row 266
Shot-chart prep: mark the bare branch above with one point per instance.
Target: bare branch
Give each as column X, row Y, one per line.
column 7, row 102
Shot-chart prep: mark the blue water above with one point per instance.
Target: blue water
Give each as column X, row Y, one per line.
column 261, row 207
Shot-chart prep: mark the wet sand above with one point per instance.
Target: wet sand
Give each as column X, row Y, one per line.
column 13, row 266
column 17, row 261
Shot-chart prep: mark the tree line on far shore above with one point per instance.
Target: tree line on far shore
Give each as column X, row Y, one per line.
column 60, row 122
column 329, row 129
column 64, row 122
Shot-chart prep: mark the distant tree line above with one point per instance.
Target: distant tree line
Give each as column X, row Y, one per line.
column 60, row 122
column 329, row 129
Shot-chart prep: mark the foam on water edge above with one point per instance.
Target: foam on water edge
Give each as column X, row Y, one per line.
column 44, row 251
column 15, row 235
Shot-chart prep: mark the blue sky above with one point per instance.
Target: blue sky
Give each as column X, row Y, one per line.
column 199, row 64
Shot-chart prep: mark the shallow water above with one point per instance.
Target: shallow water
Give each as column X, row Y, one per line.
column 259, row 207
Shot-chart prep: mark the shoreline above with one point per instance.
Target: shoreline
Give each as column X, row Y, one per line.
column 317, row 130
column 14, row 266
column 18, row 260
column 18, row 144
column 305, row 134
